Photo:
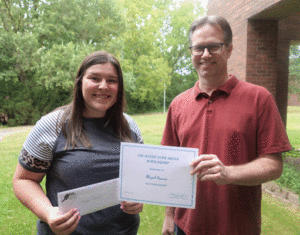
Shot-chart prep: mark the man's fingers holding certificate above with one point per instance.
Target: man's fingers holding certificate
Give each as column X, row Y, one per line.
column 209, row 167
column 131, row 207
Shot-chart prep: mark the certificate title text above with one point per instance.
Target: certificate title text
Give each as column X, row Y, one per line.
column 158, row 159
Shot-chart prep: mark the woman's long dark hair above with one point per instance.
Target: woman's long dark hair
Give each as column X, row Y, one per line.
column 72, row 117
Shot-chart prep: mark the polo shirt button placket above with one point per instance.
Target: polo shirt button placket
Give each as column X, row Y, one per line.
column 209, row 108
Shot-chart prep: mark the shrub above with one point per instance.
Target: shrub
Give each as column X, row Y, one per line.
column 291, row 171
column 27, row 103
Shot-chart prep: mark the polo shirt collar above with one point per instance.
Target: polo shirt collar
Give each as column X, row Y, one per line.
column 225, row 88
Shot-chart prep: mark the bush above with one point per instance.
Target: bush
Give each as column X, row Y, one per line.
column 291, row 171
column 24, row 105
column 293, row 153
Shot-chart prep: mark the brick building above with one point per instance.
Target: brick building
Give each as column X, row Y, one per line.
column 262, row 32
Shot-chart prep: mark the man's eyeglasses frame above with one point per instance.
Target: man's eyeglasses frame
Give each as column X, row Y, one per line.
column 208, row 47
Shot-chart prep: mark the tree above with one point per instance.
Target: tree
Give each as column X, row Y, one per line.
column 174, row 41
column 89, row 22
column 41, row 46
column 43, row 42
column 157, row 32
column 175, row 45
column 16, row 15
column 56, row 67
column 294, row 69
column 145, row 68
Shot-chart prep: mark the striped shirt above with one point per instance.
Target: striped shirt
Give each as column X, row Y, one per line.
column 36, row 154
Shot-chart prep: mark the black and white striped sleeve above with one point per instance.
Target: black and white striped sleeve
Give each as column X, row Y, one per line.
column 36, row 154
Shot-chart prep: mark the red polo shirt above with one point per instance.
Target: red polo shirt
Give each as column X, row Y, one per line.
column 238, row 122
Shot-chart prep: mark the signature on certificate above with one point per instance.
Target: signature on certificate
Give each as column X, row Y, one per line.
column 178, row 196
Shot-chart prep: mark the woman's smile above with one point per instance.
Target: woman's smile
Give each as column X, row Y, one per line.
column 99, row 89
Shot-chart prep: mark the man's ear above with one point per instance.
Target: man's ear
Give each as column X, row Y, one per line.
column 229, row 49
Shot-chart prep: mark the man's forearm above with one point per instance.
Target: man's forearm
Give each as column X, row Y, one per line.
column 258, row 171
column 170, row 211
column 168, row 226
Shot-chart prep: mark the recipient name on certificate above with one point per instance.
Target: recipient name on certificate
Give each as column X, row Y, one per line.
column 157, row 175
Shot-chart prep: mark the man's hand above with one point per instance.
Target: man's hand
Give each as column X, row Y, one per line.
column 258, row 171
column 168, row 226
column 131, row 207
column 63, row 224
column 209, row 167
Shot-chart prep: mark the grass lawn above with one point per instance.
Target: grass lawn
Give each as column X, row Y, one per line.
column 16, row 219
column 293, row 126
column 278, row 219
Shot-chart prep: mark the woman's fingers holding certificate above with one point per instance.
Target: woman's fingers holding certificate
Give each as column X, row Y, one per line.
column 63, row 224
column 131, row 207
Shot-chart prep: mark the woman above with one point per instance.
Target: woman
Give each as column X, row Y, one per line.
column 78, row 145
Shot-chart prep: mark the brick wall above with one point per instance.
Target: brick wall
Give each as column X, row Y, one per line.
column 237, row 13
column 262, row 31
column 261, row 58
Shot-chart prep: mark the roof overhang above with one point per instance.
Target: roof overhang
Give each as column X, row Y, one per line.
column 278, row 11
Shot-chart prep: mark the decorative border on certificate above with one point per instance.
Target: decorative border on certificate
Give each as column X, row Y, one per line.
column 158, row 175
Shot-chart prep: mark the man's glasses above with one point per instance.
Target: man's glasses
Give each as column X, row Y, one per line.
column 214, row 48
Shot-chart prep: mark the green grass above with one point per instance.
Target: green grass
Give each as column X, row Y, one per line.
column 290, row 177
column 16, row 219
column 293, row 126
column 152, row 126
column 152, row 218
column 278, row 219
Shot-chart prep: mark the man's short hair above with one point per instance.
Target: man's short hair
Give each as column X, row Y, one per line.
column 212, row 20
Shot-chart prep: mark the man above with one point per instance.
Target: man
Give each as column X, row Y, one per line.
column 239, row 133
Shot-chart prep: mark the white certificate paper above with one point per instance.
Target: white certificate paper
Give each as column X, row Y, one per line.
column 157, row 175
column 90, row 198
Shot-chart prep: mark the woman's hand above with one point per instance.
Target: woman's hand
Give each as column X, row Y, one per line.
column 132, row 207
column 63, row 224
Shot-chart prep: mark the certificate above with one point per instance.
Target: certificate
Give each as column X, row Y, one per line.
column 157, row 175
column 90, row 198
